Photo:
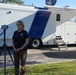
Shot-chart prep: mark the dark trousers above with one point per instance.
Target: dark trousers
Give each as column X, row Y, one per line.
column 21, row 55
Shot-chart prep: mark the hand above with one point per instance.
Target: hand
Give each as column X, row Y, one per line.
column 16, row 50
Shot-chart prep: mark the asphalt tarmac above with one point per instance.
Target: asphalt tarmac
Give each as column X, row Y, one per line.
column 44, row 55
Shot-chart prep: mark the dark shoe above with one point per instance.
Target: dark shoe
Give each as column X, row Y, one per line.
column 16, row 73
column 22, row 72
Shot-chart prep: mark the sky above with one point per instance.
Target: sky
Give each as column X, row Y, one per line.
column 41, row 3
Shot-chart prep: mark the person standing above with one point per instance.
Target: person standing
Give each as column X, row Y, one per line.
column 19, row 43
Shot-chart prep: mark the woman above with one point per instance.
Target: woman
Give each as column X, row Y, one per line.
column 19, row 43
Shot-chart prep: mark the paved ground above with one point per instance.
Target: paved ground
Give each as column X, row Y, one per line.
column 43, row 55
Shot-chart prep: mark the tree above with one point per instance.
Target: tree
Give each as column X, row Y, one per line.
column 13, row 1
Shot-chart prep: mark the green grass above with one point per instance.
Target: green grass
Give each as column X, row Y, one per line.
column 64, row 68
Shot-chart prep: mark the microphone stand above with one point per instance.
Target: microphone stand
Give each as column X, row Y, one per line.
column 4, row 48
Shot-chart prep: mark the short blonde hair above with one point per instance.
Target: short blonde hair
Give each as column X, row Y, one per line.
column 21, row 22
